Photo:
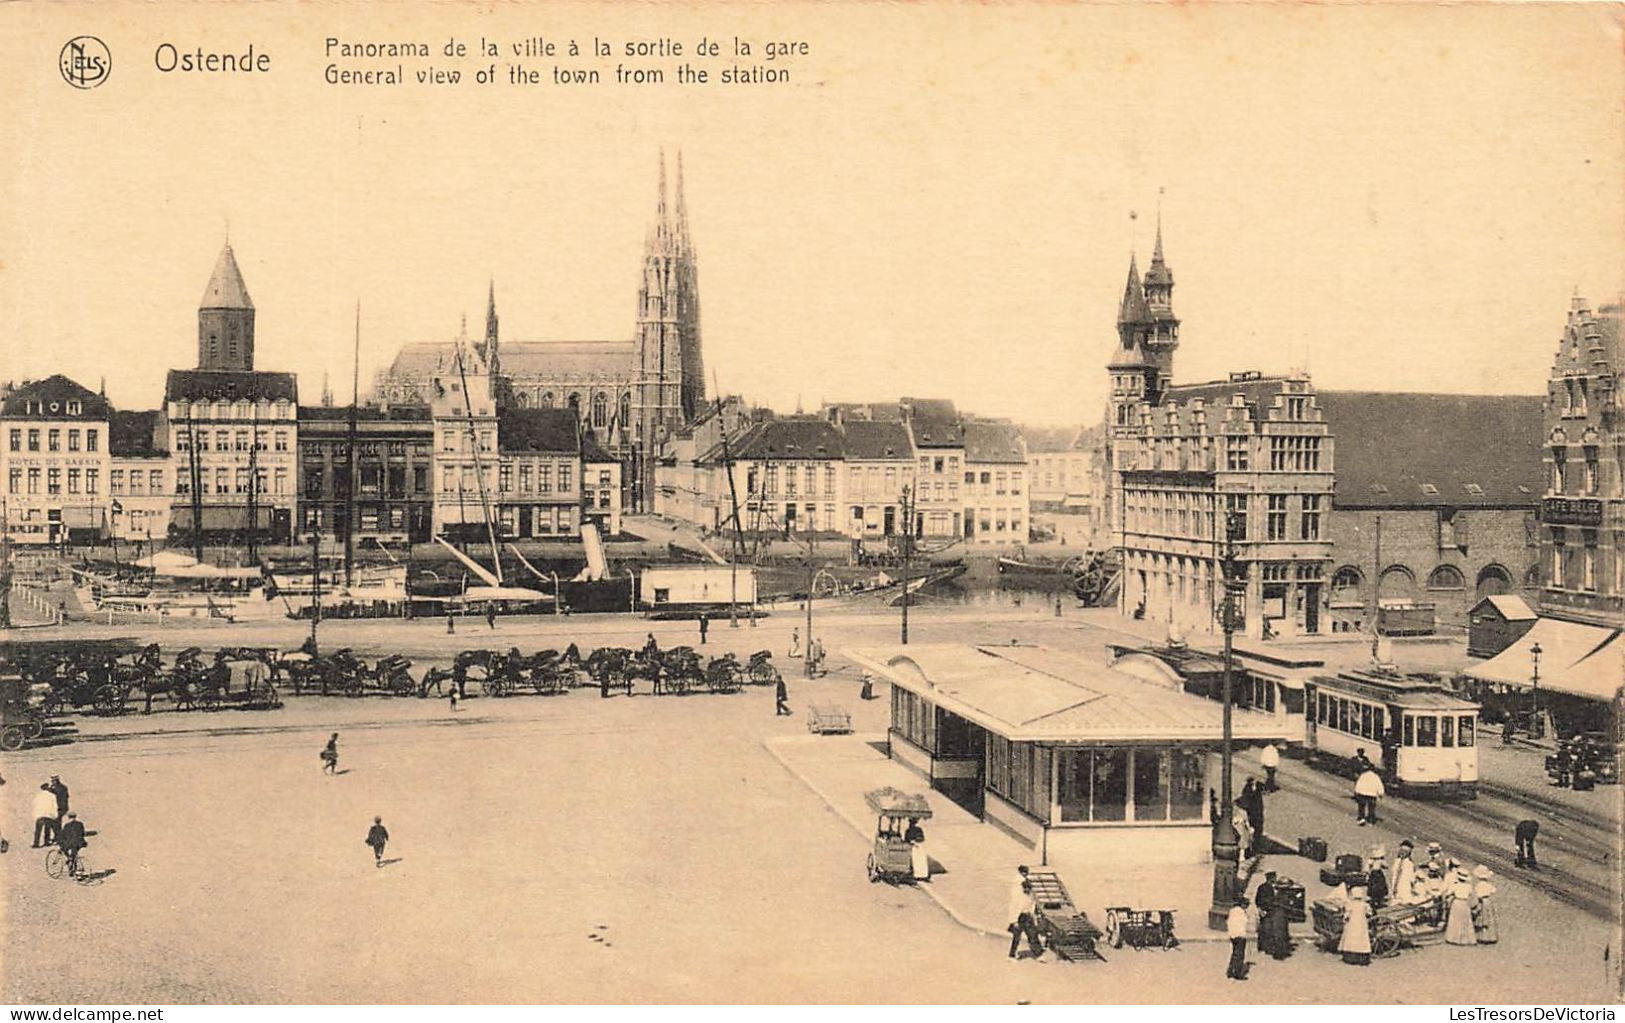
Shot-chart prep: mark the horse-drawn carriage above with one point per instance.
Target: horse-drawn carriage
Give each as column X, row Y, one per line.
column 20, row 720
column 760, row 670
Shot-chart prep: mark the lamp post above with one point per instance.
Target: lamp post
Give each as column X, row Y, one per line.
column 1534, row 692
column 1226, row 843
column 315, row 586
column 908, row 553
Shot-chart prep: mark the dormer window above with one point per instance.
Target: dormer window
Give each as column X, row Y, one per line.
column 1430, row 490
column 75, row 407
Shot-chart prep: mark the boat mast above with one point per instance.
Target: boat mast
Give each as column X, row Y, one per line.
column 733, row 497
column 253, row 482
column 350, row 509
column 479, row 470
column 197, row 487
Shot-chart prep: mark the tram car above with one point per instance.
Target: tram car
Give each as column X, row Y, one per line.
column 1422, row 736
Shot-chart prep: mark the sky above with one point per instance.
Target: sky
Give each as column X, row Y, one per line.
column 941, row 202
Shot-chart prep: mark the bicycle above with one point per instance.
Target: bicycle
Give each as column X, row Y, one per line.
column 57, row 865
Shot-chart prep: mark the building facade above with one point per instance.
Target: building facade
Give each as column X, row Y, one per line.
column 1582, row 510
column 880, row 466
column 788, row 474
column 54, row 462
column 140, row 480
column 393, row 500
column 996, row 492
column 1435, row 504
column 231, row 430
column 939, row 450
column 1066, row 481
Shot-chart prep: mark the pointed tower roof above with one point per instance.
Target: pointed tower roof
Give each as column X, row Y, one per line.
column 226, row 289
column 661, row 236
column 1133, row 308
column 682, row 207
column 1158, row 273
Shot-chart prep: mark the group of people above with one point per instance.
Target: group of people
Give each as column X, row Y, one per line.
column 1464, row 899
column 55, row 824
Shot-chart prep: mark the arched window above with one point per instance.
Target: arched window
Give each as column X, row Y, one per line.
column 1531, row 578
column 1446, row 577
column 547, row 399
column 1397, row 583
column 600, row 411
column 626, row 411
column 1347, row 586
column 575, row 402
column 1492, row 580
column 522, row 399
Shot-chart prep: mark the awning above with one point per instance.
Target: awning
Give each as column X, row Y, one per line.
column 1585, row 660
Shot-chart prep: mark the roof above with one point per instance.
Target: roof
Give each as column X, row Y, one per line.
column 1583, row 660
column 1258, row 392
column 994, row 442
column 780, row 439
column 226, row 289
column 48, row 399
column 1031, row 694
column 230, row 385
column 937, row 431
column 538, row 429
column 1395, row 449
column 1510, row 606
column 1133, row 308
column 873, row 441
column 593, row 453
column 130, row 435
column 1401, row 690
column 1043, row 440
column 365, row 413
column 564, row 360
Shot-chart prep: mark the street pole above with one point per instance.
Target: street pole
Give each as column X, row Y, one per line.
column 807, row 656
column 908, row 552
column 1534, row 692
column 315, row 585
column 1226, row 843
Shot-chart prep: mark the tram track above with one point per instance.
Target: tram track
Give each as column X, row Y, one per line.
column 1478, row 832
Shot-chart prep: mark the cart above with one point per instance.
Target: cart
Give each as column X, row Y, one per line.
column 1064, row 928
column 19, row 719
column 760, row 669
column 1392, row 928
column 828, row 719
column 1140, row 928
column 893, row 858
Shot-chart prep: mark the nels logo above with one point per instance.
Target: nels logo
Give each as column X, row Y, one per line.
column 85, row 62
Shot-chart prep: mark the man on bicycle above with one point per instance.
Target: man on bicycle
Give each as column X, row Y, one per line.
column 71, row 841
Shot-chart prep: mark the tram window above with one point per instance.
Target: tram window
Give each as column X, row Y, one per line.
column 1343, row 716
column 1427, row 730
column 1447, row 731
column 1377, row 731
column 1365, row 721
column 1320, row 708
column 1409, row 738
column 1464, row 730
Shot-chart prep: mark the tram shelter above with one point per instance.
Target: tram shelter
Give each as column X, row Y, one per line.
column 1082, row 762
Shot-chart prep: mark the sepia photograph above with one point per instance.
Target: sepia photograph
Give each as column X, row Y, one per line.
column 712, row 503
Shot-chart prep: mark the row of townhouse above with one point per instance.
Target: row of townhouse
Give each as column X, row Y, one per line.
column 860, row 471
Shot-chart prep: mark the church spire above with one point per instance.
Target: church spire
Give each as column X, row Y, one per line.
column 488, row 350
column 1132, row 309
column 682, row 209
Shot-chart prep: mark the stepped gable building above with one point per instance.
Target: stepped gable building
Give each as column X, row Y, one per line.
column 231, row 429
column 54, row 462
column 1454, row 480
column 631, row 395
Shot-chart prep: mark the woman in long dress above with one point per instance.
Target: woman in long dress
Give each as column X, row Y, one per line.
column 1458, row 924
column 1484, row 907
column 1355, row 944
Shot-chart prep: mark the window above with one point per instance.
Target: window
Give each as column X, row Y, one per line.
column 53, row 481
column 829, row 480
column 55, row 440
column 1309, row 524
column 33, row 481
column 115, row 481
column 1235, row 507
column 222, row 440
column 182, row 485
column 16, row 440
column 1275, row 523
column 505, row 478
column 1235, row 454
column 242, row 481
column 93, row 481
column 92, row 439
column 73, row 440
column 14, row 482
column 222, row 481
column 1464, row 730
column 279, row 478
column 526, row 477
column 1427, row 730
column 1559, row 555
column 1588, row 481
column 600, row 411
column 565, row 483
column 789, row 480
column 448, row 440
column 544, row 477
column 33, row 440
column 1446, row 577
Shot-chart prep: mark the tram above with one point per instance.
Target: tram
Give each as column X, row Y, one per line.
column 1426, row 735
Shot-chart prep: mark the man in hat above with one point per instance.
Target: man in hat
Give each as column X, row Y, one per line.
column 60, row 791
column 71, row 841
column 782, row 694
column 1377, row 877
column 45, row 826
column 1273, row 937
column 377, row 837
column 1270, row 760
column 1023, row 920
column 1368, row 788
column 1235, row 925
column 1402, row 887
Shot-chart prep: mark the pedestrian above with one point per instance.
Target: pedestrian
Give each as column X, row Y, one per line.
column 705, row 626
column 377, row 837
column 72, row 840
column 1402, row 888
column 795, row 642
column 783, row 695
column 1235, row 925
column 867, row 690
column 1368, row 788
column 1524, row 834
column 1436, row 861
column 1458, row 925
column 1565, row 764
column 1508, row 729
column 45, row 826
column 1362, row 763
column 1023, row 921
column 1274, row 939
column 1377, row 877
column 1355, row 944
column 451, row 624
column 1483, row 908
column 330, row 755
column 1255, row 813
column 491, row 616
column 60, row 791
column 454, row 701
column 1270, row 760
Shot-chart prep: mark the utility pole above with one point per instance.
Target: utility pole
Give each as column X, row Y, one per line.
column 1376, row 592
column 315, row 585
column 197, row 487
column 350, row 509
column 1226, row 843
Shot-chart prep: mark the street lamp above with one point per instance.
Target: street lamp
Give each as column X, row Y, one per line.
column 1226, row 843
column 1534, row 692
column 315, row 586
column 908, row 552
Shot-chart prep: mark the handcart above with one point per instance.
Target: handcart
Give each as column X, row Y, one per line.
column 1140, row 928
column 828, row 719
column 1393, row 927
column 893, row 858
column 1063, row 927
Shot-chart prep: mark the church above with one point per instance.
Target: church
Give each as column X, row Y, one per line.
column 631, row 394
